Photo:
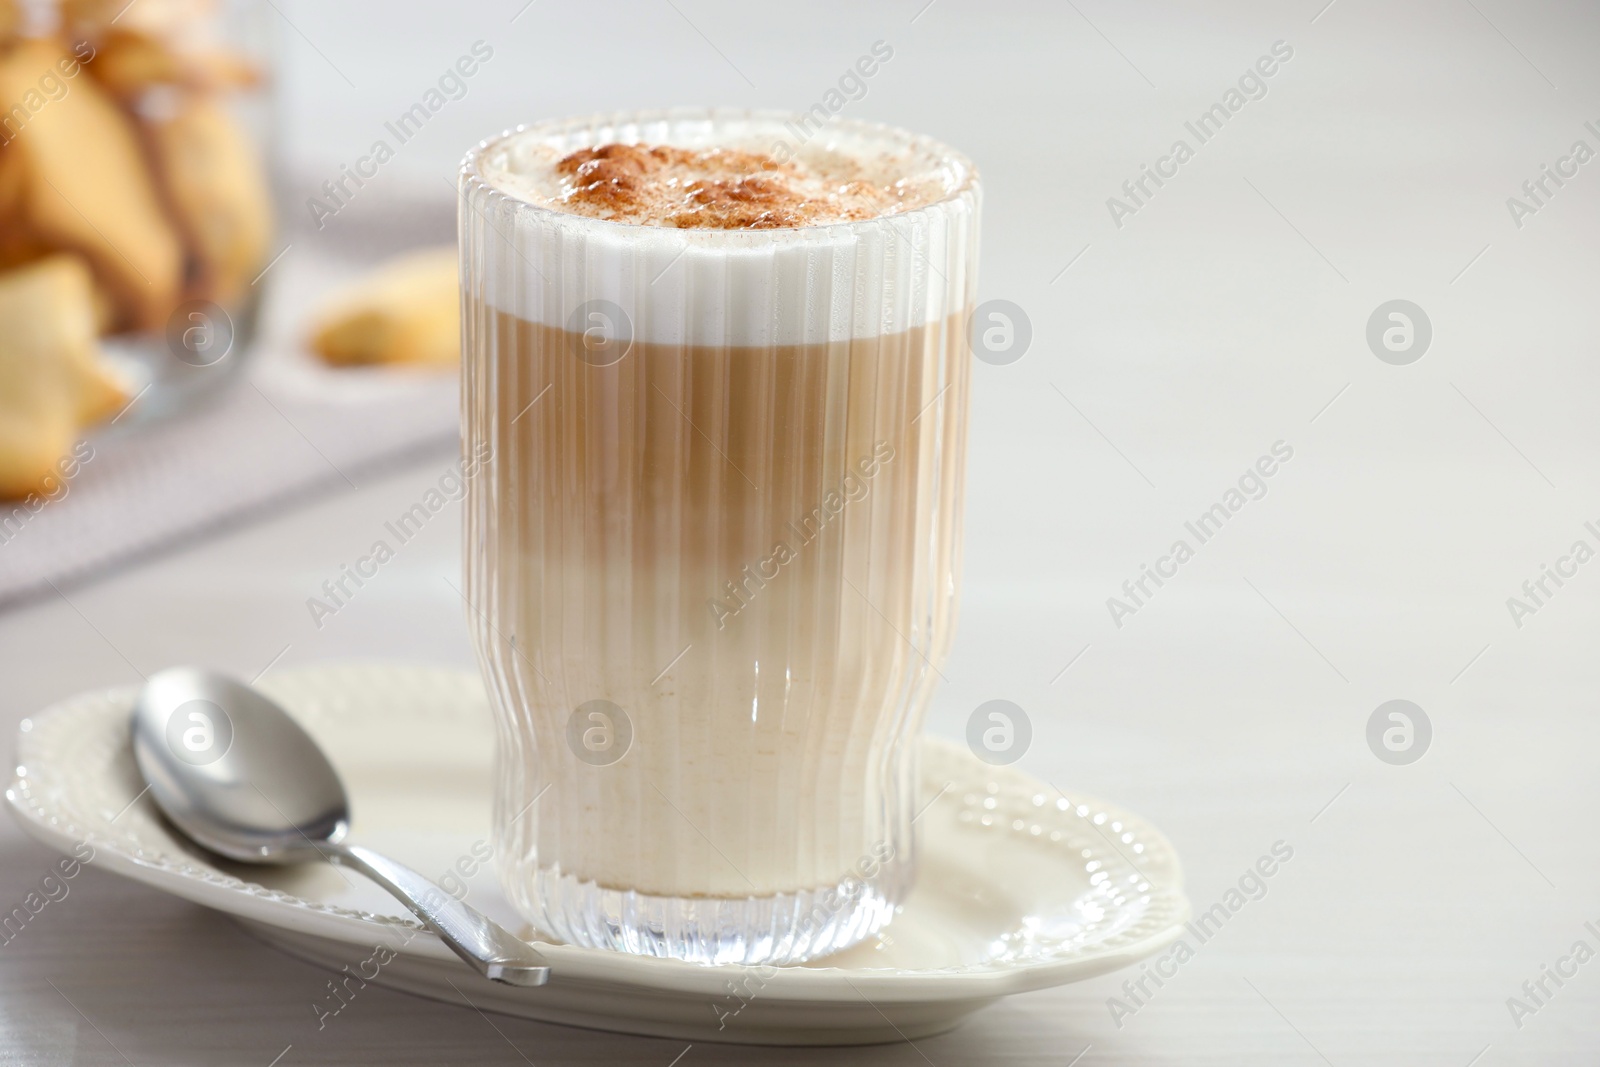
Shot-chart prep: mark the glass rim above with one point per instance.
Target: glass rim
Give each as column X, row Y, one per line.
column 472, row 179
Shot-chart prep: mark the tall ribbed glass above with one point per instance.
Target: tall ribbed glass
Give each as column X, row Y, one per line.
column 713, row 545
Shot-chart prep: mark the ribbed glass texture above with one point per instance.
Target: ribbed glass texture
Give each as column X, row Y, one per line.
column 712, row 547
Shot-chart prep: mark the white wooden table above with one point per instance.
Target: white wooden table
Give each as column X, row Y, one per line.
column 1227, row 313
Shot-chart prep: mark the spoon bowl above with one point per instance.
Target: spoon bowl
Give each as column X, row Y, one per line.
column 236, row 774
column 233, row 771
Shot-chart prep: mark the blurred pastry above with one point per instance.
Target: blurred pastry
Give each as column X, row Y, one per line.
column 172, row 18
column 63, row 316
column 18, row 246
column 130, row 62
column 85, row 187
column 10, row 21
column 407, row 311
column 53, row 380
column 217, row 191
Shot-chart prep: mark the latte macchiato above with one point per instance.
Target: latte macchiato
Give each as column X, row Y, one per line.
column 713, row 553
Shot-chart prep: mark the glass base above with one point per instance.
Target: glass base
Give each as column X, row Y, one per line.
column 166, row 383
column 779, row 929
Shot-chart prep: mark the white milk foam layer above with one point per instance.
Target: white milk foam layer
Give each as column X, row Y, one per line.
column 722, row 288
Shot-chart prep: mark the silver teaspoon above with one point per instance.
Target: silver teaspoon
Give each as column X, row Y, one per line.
column 234, row 772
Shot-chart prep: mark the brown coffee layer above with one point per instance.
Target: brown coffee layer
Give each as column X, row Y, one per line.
column 752, row 552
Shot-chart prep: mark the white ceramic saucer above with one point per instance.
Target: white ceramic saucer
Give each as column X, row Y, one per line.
column 1020, row 888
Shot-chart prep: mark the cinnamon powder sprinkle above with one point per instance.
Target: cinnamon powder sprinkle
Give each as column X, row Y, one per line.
column 713, row 188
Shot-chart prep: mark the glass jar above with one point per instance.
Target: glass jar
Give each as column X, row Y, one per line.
column 133, row 138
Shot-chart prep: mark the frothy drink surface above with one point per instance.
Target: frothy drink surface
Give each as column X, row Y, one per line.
column 721, row 187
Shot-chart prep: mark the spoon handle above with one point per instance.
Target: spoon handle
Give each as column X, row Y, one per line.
column 473, row 936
